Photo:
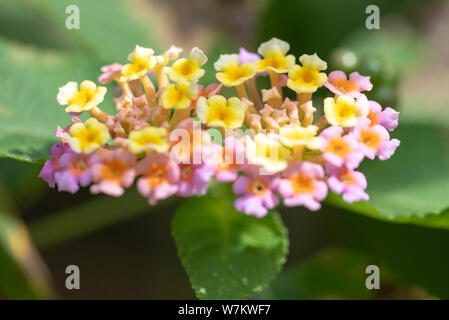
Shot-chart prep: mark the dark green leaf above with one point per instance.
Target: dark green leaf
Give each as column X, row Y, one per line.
column 337, row 273
column 227, row 254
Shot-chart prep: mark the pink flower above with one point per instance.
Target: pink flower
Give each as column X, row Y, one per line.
column 247, row 56
column 110, row 73
column 75, row 171
column 351, row 183
column 387, row 118
column 190, row 144
column 113, row 173
column 231, row 156
column 338, row 83
column 194, row 179
column 374, row 140
column 302, row 185
column 257, row 192
column 60, row 132
column 160, row 177
column 340, row 150
column 52, row 166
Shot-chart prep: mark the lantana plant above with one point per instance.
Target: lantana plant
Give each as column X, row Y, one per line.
column 174, row 135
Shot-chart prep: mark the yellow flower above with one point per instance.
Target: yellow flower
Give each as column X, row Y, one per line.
column 307, row 78
column 179, row 96
column 149, row 138
column 344, row 110
column 142, row 61
column 295, row 136
column 275, row 56
column 171, row 54
column 217, row 112
column 231, row 73
column 87, row 137
column 86, row 98
column 266, row 151
column 188, row 69
column 162, row 60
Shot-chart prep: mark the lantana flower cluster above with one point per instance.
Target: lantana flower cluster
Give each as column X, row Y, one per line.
column 173, row 135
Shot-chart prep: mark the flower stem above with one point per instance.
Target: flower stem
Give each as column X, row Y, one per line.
column 274, row 78
column 241, row 90
column 99, row 114
column 254, row 93
column 303, row 98
column 150, row 91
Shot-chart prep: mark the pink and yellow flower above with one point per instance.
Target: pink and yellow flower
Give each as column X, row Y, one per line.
column 189, row 143
column 345, row 110
column 231, row 158
column 148, row 139
column 338, row 83
column 110, row 72
column 388, row 118
column 308, row 77
column 52, row 166
column 179, row 95
column 374, row 140
column 275, row 58
column 257, row 192
column 87, row 137
column 113, row 173
column 75, row 171
column 302, row 185
column 267, row 151
column 194, row 179
column 247, row 56
column 339, row 149
column 351, row 184
column 217, row 111
column 231, row 72
column 294, row 136
column 168, row 136
column 142, row 61
column 160, row 177
column 188, row 69
column 86, row 98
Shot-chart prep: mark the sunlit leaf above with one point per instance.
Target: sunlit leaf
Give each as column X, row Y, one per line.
column 29, row 113
column 109, row 29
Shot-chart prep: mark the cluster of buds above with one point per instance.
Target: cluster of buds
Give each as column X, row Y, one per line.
column 174, row 135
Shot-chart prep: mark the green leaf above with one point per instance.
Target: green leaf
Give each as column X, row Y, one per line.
column 23, row 275
column 413, row 185
column 330, row 274
column 338, row 273
column 30, row 77
column 227, row 254
column 29, row 113
column 109, row 29
column 415, row 256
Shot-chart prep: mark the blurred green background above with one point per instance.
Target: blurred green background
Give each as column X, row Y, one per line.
column 124, row 247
